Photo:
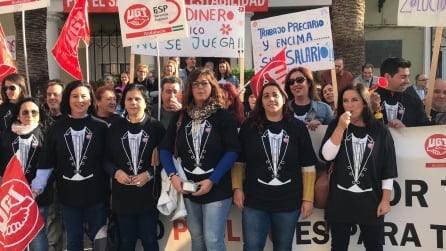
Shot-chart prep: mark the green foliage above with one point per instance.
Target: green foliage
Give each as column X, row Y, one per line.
column 249, row 73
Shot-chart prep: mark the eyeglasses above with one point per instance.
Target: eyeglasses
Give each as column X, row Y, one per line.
column 11, row 88
column 203, row 83
column 298, row 80
column 32, row 112
column 423, row 79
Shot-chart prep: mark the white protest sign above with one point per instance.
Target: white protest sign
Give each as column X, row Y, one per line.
column 214, row 31
column 416, row 222
column 10, row 6
column 306, row 34
column 156, row 20
column 430, row 13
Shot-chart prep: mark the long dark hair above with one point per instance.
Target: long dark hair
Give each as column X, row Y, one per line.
column 16, row 79
column 312, row 89
column 236, row 108
column 65, row 104
column 367, row 114
column 257, row 117
column 45, row 119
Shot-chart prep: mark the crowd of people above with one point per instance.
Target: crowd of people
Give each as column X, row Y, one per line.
column 86, row 152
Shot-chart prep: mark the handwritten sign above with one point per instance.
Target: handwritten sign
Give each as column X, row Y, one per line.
column 10, row 6
column 250, row 5
column 422, row 13
column 214, row 31
column 306, row 35
column 156, row 20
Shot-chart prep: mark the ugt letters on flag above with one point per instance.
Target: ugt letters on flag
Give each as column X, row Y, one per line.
column 75, row 28
column 20, row 219
column 274, row 71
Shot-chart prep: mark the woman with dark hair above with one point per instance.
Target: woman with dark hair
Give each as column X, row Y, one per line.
column 224, row 74
column 304, row 100
column 13, row 90
column 232, row 102
column 205, row 136
column 328, row 97
column 74, row 149
column 363, row 153
column 25, row 137
column 135, row 183
column 278, row 160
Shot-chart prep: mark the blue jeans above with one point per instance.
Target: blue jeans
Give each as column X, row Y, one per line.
column 257, row 223
column 40, row 242
column 371, row 235
column 73, row 218
column 207, row 224
column 138, row 226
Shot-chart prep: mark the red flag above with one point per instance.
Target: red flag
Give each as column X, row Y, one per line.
column 274, row 71
column 76, row 27
column 7, row 65
column 20, row 220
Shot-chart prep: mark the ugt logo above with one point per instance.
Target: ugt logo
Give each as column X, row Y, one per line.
column 435, row 146
column 137, row 16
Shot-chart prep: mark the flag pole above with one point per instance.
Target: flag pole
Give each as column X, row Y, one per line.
column 88, row 61
column 159, row 79
column 25, row 53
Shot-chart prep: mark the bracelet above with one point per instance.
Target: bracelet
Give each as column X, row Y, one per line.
column 172, row 174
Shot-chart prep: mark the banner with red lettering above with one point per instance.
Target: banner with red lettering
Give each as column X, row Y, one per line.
column 7, row 64
column 145, row 21
column 10, row 6
column 20, row 219
column 274, row 71
column 76, row 27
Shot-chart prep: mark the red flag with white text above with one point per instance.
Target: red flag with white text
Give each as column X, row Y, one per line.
column 20, row 219
column 75, row 28
column 274, row 71
column 7, row 64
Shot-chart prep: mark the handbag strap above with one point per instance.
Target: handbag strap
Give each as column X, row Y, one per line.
column 179, row 121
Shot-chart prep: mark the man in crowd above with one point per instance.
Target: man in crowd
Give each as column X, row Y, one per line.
column 55, row 228
column 367, row 78
column 438, row 110
column 171, row 95
column 399, row 108
column 419, row 88
column 343, row 77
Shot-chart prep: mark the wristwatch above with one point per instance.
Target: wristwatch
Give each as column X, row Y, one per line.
column 172, row 174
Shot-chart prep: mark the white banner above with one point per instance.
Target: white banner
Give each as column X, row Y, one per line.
column 10, row 6
column 306, row 34
column 156, row 20
column 423, row 13
column 214, row 31
column 416, row 221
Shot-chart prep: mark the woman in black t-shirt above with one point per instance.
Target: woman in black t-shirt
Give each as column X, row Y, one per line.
column 280, row 173
column 363, row 153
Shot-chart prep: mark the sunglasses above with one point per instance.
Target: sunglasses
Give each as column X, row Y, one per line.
column 32, row 112
column 11, row 88
column 203, row 83
column 298, row 80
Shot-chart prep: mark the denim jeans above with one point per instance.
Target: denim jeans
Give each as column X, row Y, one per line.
column 40, row 242
column 371, row 235
column 257, row 223
column 207, row 224
column 138, row 226
column 73, row 218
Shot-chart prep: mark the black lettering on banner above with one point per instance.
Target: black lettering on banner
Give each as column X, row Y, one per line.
column 396, row 193
column 419, row 193
column 410, row 235
column 319, row 230
column 439, row 229
column 443, row 182
column 391, row 233
column 300, row 232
